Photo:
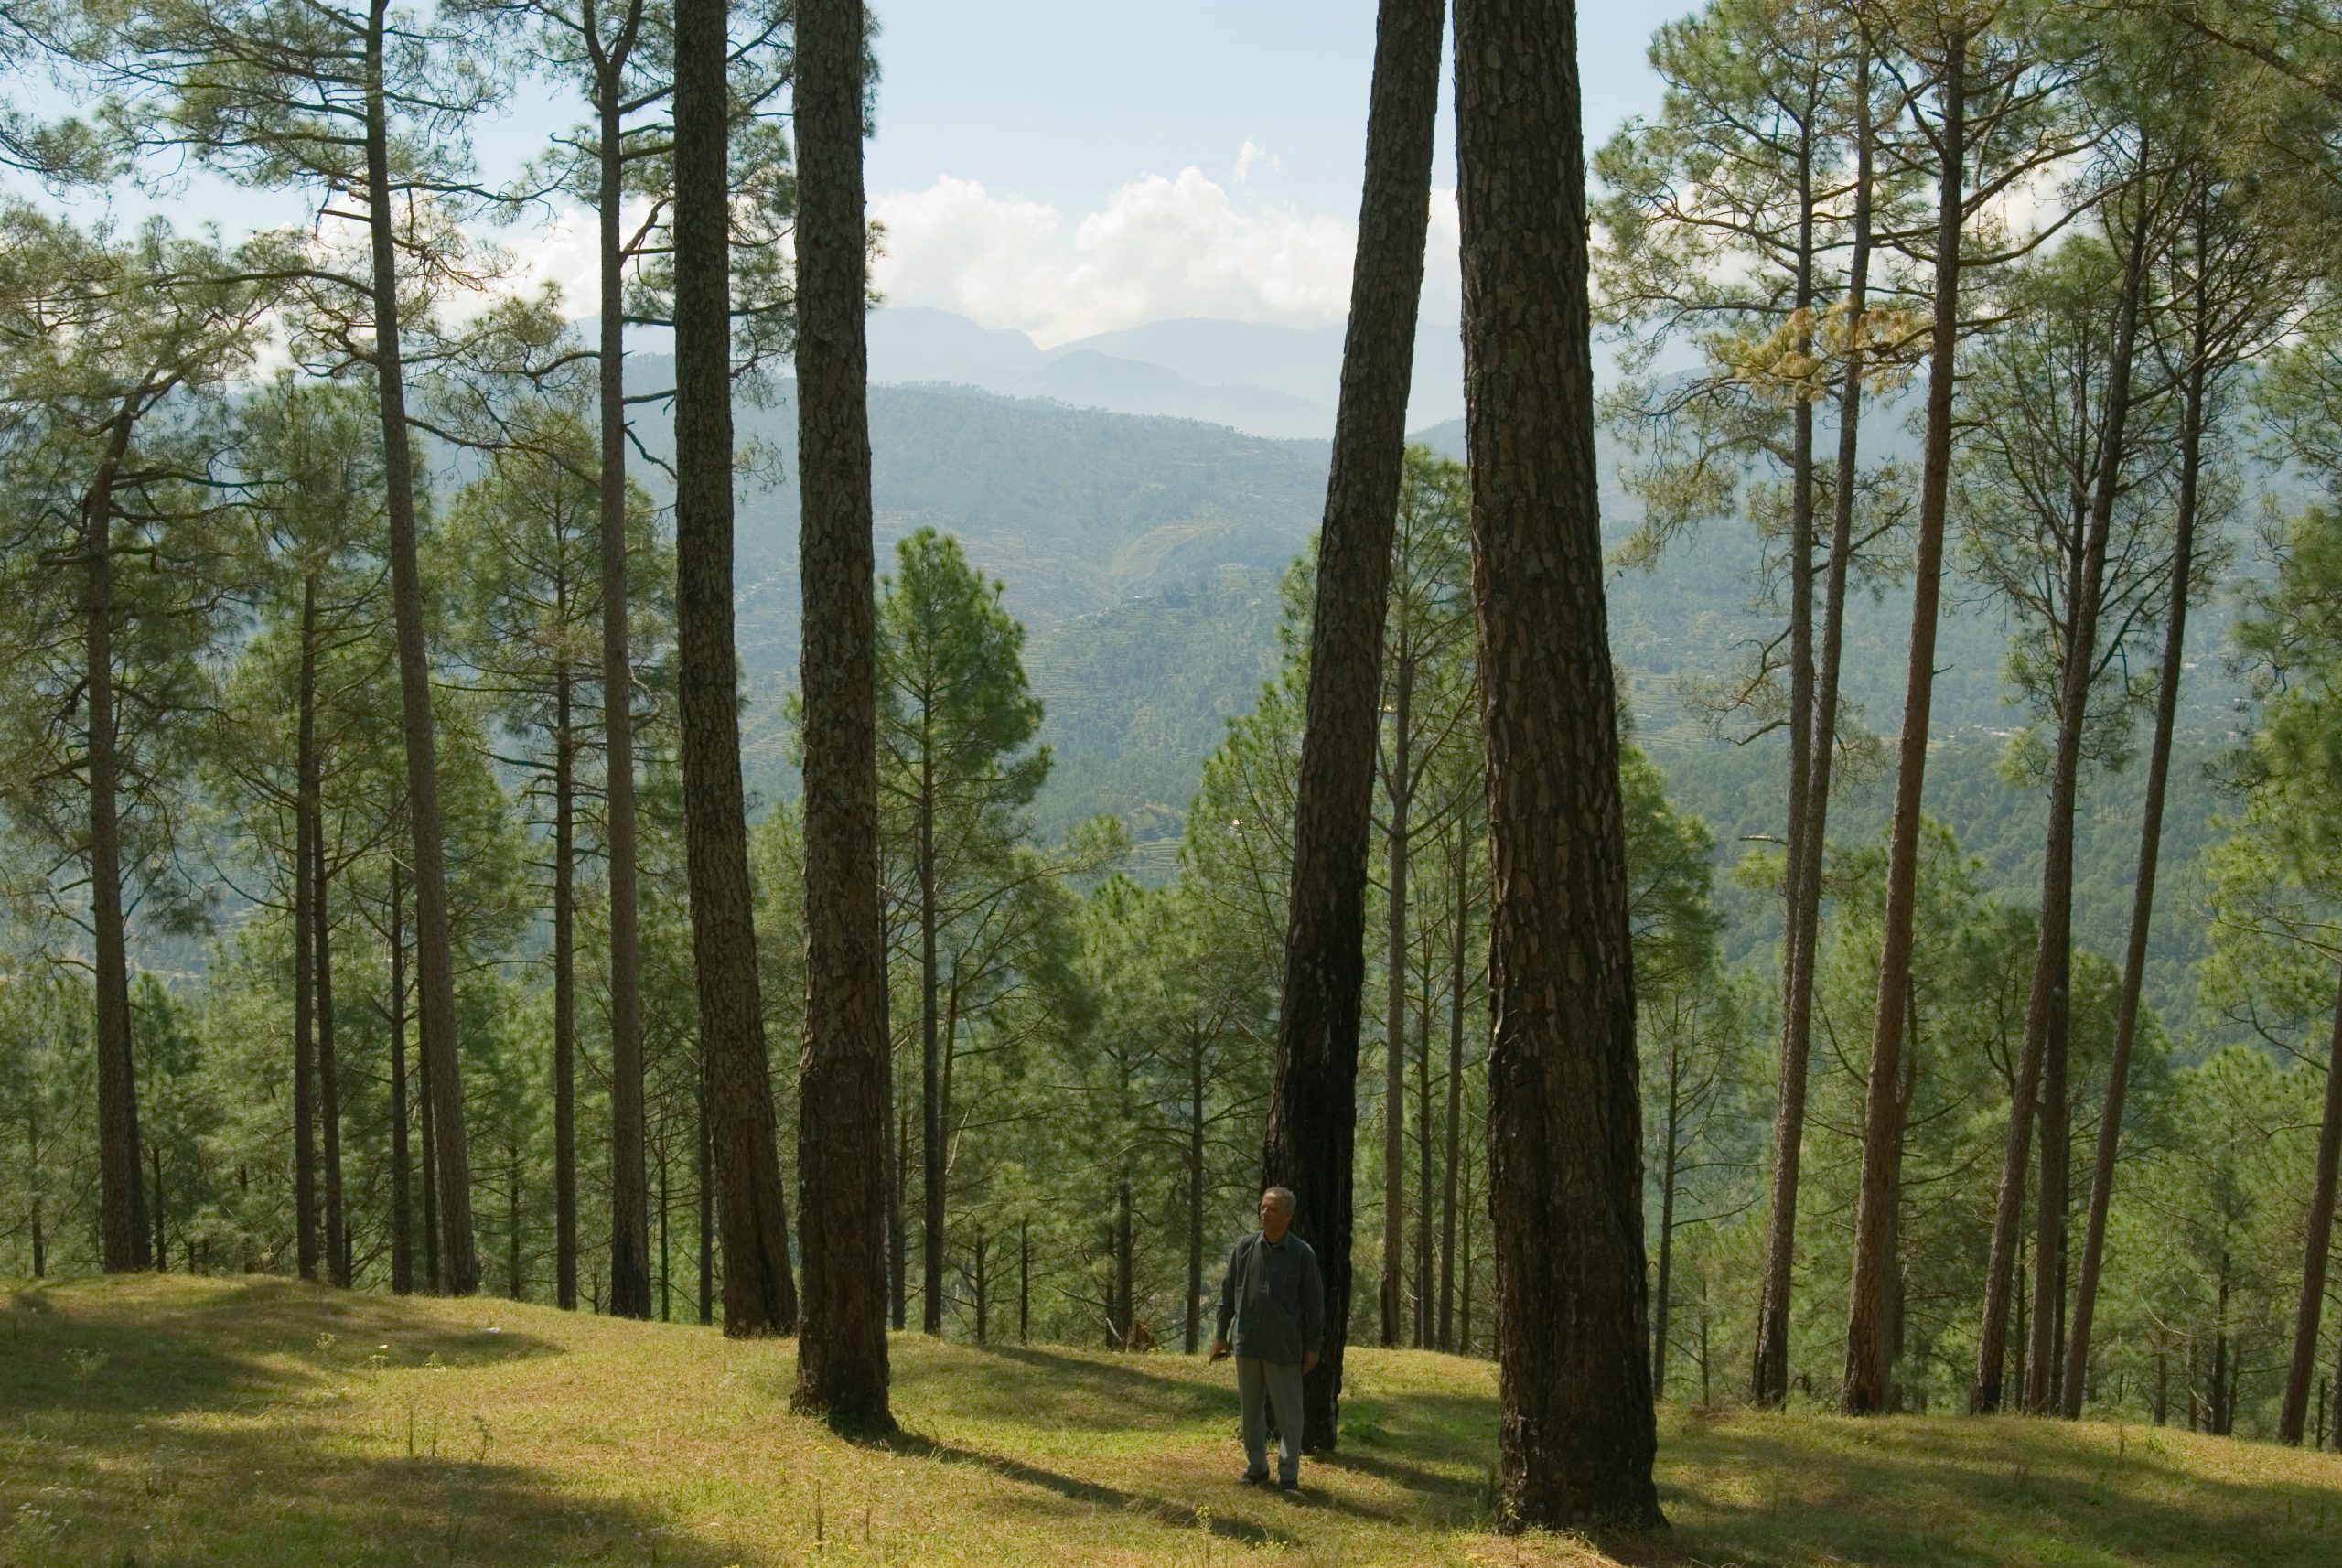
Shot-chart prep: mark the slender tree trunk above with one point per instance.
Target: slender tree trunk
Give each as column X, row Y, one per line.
column 666, row 1214
column 1769, row 1380
column 162, row 1243
column 2048, row 1014
column 564, row 993
column 401, row 1173
column 705, row 1143
column 431, row 1254
column 1565, row 1181
column 337, row 1232
column 1424, row 1206
column 305, row 1243
column 1125, row 1266
column 122, row 1203
column 1023, row 1280
column 1394, row 1034
column 931, row 1055
column 512, row 1220
column 629, row 1186
column 1870, row 1369
column 1195, row 1193
column 2315, row 1246
column 2143, row 895
column 434, row 937
column 1310, row 1143
column 841, row 1145
column 1664, row 1286
column 979, row 1253
column 899, row 1242
column 759, row 1297
column 1448, row 1171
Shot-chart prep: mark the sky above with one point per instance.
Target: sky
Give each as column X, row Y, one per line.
column 1071, row 167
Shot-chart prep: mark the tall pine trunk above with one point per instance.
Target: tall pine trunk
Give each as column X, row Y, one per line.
column 931, row 1090
column 1401, row 789
column 844, row 1099
column 1423, row 1204
column 337, row 1231
column 1451, row 1162
column 565, row 991
column 1310, row 1143
column 629, row 1180
column 2048, row 1014
column 434, row 935
column 1196, row 1152
column 401, row 1172
column 1565, row 1183
column 2317, row 1245
column 2143, row 894
column 1769, row 1378
column 759, row 1296
column 1870, row 1349
column 305, row 1243
column 122, row 1242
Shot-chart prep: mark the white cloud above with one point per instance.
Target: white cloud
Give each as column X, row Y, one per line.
column 1160, row 247
column 1252, row 155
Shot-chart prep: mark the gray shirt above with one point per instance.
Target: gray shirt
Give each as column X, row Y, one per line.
column 1274, row 1299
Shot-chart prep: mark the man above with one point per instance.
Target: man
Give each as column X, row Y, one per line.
column 1274, row 1300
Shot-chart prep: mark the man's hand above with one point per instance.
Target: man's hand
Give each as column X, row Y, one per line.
column 1219, row 1350
column 1308, row 1362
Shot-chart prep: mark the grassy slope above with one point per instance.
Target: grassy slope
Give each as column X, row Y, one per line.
column 167, row 1421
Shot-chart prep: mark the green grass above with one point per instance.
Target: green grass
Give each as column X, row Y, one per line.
column 259, row 1422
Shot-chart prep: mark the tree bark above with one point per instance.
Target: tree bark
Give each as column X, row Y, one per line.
column 1663, row 1288
column 306, row 1244
column 1448, row 1166
column 930, row 1055
column 629, row 1182
column 1195, row 1193
column 1310, row 1143
column 1564, row 1125
column 564, row 993
column 2142, row 895
column 1125, row 1262
column 431, row 1258
column 759, row 1296
column 843, row 1104
column 1869, row 1352
column 1424, row 1203
column 2315, row 1246
column 336, row 1235
column 434, row 937
column 1395, row 1034
column 122, row 1242
column 1769, row 1378
column 401, row 1173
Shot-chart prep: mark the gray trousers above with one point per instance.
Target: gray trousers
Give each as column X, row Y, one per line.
column 1260, row 1384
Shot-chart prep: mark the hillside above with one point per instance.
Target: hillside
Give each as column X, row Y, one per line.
column 259, row 1422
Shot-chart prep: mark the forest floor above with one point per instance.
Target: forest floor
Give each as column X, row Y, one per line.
column 170, row 1421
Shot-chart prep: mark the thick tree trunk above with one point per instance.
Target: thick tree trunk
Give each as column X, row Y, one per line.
column 1565, row 1179
column 2049, row 1014
column 434, row 935
column 337, row 1231
column 564, row 993
column 122, row 1242
column 1769, row 1378
column 630, row 1185
column 843, row 1104
column 1394, row 1030
column 1310, row 1143
column 2143, row 894
column 1455, row 1135
column 1869, row 1352
column 401, row 1172
column 305, row 1243
column 759, row 1297
column 2315, row 1246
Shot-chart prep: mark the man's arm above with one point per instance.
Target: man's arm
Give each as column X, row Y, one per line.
column 1227, row 1301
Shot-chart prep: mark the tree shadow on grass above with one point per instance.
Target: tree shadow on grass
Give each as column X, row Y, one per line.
column 1054, row 1389
column 138, row 1429
column 1073, row 1488
column 1984, row 1494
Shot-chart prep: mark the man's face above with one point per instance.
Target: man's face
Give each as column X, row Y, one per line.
column 1274, row 1213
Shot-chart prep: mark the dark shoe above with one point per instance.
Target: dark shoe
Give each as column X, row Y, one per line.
column 1289, row 1483
column 1250, row 1479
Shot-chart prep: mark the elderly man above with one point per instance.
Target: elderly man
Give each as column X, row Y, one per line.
column 1274, row 1300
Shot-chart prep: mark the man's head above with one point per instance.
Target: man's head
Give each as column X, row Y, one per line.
column 1276, row 1212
